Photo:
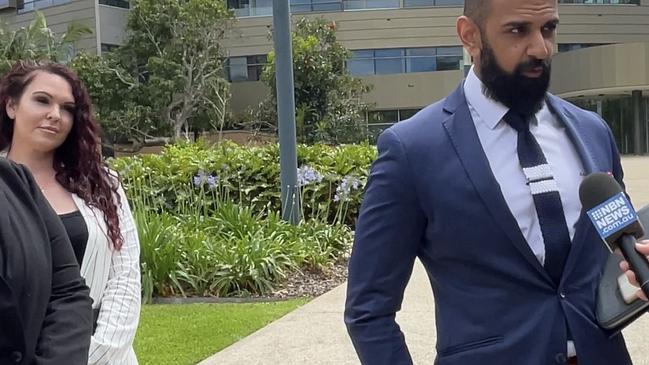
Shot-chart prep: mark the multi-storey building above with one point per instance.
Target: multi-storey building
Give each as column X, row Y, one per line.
column 409, row 51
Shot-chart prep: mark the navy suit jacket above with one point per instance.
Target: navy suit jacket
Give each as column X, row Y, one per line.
column 432, row 195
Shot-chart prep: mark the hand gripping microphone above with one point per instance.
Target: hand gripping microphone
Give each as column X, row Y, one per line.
column 615, row 220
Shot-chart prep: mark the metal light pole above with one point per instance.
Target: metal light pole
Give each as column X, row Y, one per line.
column 286, row 111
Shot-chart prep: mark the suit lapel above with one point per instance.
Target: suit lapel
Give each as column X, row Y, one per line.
column 583, row 227
column 570, row 122
column 464, row 138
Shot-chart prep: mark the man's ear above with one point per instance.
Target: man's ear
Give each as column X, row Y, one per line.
column 10, row 109
column 470, row 35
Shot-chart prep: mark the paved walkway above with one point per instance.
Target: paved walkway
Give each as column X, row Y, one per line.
column 315, row 334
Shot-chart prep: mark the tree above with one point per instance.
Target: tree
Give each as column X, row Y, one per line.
column 327, row 98
column 38, row 41
column 116, row 101
column 174, row 47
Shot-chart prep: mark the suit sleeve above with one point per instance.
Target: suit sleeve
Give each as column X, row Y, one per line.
column 65, row 336
column 120, row 304
column 387, row 239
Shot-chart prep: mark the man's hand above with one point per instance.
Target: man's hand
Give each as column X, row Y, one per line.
column 643, row 248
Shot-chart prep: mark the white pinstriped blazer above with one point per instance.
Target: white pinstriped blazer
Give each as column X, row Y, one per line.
column 114, row 281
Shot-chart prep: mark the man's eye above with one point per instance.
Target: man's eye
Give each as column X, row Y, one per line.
column 550, row 28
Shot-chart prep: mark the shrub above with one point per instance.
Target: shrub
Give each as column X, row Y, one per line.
column 331, row 178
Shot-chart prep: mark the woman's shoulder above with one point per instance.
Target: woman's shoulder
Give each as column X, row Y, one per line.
column 12, row 170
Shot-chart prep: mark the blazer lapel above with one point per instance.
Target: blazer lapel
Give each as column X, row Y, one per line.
column 583, row 226
column 569, row 121
column 464, row 137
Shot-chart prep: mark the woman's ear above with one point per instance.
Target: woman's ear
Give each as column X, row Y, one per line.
column 10, row 109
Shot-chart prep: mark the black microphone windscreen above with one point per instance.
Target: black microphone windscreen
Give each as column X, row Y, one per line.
column 597, row 188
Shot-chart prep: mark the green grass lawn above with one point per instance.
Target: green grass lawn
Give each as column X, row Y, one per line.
column 186, row 334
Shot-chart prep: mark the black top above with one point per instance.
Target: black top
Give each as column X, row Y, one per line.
column 77, row 231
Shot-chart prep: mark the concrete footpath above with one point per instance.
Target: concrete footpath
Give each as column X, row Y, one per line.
column 315, row 334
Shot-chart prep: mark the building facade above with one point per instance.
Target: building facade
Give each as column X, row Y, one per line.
column 106, row 18
column 409, row 51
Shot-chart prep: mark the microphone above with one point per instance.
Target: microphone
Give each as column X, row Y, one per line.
column 615, row 220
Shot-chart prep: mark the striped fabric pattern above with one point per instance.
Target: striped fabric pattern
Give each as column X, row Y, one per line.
column 114, row 281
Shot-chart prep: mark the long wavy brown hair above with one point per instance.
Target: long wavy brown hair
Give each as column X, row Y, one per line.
column 78, row 163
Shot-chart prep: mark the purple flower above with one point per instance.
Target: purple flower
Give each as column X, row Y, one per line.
column 200, row 178
column 347, row 185
column 307, row 175
column 212, row 181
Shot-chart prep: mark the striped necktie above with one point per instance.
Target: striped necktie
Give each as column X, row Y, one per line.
column 545, row 193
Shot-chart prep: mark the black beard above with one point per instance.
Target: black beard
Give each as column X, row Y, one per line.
column 516, row 91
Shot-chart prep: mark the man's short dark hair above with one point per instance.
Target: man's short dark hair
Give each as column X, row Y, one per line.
column 477, row 10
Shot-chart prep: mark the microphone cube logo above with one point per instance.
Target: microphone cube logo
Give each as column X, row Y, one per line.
column 612, row 215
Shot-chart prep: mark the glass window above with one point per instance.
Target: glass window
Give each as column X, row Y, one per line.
column 388, row 61
column 327, row 5
column 300, row 6
column 256, row 66
column 116, row 3
column 383, row 117
column 407, row 113
column 421, row 60
column 371, row 4
column 251, row 7
column 449, row 58
column 449, row 2
column 248, row 68
column 404, row 60
column 381, row 4
column 303, row 6
column 361, row 63
column 238, row 69
column 263, row 7
column 240, row 7
column 417, row 3
column 28, row 5
column 107, row 47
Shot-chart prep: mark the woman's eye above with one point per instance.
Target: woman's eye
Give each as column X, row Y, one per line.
column 42, row 100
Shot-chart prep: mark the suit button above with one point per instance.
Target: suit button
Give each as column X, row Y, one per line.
column 16, row 356
column 563, row 296
column 560, row 358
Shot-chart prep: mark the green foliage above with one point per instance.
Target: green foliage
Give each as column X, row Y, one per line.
column 327, row 98
column 250, row 176
column 231, row 252
column 37, row 41
column 174, row 52
column 208, row 217
column 200, row 330
column 114, row 94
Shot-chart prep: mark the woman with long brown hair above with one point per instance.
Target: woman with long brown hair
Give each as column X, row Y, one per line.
column 46, row 124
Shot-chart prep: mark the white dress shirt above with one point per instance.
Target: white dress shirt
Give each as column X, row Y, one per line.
column 499, row 142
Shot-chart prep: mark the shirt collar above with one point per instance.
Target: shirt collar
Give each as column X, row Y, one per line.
column 490, row 111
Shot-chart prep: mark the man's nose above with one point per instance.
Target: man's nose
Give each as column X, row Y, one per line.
column 539, row 47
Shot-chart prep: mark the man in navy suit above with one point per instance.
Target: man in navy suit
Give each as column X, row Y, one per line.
column 482, row 187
